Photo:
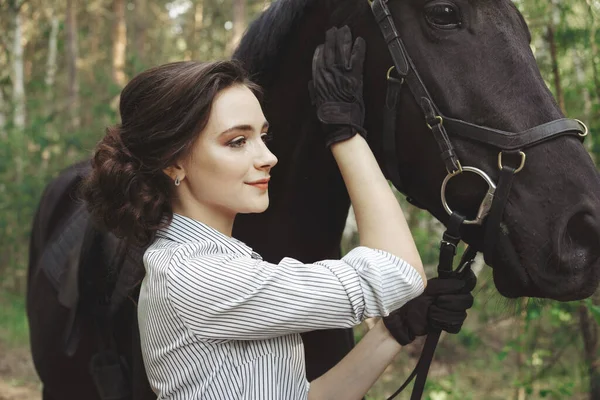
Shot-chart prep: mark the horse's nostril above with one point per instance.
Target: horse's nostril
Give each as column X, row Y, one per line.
column 580, row 245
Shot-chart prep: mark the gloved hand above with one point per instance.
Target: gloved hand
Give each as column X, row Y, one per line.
column 337, row 85
column 442, row 306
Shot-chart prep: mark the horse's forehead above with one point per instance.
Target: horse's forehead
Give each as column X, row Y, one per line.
column 351, row 9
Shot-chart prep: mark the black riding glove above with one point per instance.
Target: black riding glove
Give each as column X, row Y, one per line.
column 442, row 306
column 337, row 85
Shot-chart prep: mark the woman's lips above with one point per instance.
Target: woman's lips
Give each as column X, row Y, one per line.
column 262, row 184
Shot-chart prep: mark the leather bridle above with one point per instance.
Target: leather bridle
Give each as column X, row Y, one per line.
column 509, row 144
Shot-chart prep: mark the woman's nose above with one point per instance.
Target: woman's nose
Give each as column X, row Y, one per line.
column 266, row 159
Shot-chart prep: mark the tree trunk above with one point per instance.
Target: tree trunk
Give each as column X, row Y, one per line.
column 594, row 48
column 3, row 133
column 520, row 393
column 140, row 30
column 193, row 40
column 119, row 43
column 589, row 331
column 555, row 72
column 239, row 24
column 52, row 55
column 580, row 75
column 72, row 56
column 97, row 21
column 18, row 79
column 579, row 66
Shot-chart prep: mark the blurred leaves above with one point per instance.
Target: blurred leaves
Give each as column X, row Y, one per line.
column 531, row 348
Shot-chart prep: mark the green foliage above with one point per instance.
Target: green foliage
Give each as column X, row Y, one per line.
column 594, row 310
column 505, row 346
column 14, row 330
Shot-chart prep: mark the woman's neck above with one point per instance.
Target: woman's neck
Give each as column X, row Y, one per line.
column 216, row 219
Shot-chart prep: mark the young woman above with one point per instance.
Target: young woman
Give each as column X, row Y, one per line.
column 216, row 321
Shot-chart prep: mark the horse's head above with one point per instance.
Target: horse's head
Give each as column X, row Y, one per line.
column 475, row 61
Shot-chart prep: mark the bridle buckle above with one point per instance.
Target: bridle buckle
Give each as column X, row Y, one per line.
column 519, row 168
column 585, row 128
column 439, row 119
column 389, row 76
column 458, row 170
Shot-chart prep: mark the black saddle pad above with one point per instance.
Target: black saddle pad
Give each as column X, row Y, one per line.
column 60, row 260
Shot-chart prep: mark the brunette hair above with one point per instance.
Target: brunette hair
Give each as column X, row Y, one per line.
column 163, row 110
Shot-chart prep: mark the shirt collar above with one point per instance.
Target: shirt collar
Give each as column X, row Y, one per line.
column 185, row 230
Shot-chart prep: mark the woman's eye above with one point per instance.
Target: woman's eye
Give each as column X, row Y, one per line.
column 237, row 142
column 443, row 15
column 267, row 137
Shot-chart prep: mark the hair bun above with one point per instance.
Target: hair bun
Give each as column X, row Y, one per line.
column 113, row 144
column 119, row 196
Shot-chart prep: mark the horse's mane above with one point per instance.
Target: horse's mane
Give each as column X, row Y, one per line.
column 260, row 48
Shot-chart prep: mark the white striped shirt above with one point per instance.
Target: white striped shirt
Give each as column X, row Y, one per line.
column 218, row 322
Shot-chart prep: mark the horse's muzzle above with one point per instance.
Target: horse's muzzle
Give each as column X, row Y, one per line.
column 577, row 244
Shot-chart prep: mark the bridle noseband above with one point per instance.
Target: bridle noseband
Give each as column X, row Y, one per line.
column 491, row 209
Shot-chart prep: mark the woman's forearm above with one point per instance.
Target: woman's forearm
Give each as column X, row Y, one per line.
column 352, row 377
column 379, row 218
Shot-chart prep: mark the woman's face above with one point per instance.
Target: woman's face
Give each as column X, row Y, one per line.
column 229, row 167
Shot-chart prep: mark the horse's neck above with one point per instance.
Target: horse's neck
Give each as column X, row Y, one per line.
column 308, row 199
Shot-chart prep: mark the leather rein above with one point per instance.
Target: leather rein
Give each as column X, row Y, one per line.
column 510, row 145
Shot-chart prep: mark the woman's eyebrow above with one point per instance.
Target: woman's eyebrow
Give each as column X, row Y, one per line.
column 244, row 127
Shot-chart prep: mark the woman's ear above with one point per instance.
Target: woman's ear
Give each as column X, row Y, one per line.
column 175, row 172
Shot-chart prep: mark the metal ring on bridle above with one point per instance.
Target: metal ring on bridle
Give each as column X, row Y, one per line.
column 523, row 158
column 486, row 203
column 458, row 171
column 389, row 76
column 389, row 72
column 584, row 134
column 439, row 118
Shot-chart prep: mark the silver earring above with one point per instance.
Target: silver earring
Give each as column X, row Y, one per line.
column 177, row 181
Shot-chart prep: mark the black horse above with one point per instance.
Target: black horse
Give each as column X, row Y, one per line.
column 475, row 61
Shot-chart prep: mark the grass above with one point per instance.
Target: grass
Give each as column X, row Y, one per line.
column 14, row 330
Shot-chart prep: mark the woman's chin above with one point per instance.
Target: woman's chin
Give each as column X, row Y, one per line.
column 256, row 208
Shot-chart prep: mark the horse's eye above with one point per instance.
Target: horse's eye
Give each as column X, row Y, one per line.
column 443, row 15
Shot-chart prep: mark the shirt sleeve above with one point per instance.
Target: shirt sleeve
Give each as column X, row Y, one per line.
column 241, row 298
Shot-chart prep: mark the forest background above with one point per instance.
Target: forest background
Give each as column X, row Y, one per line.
column 62, row 66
